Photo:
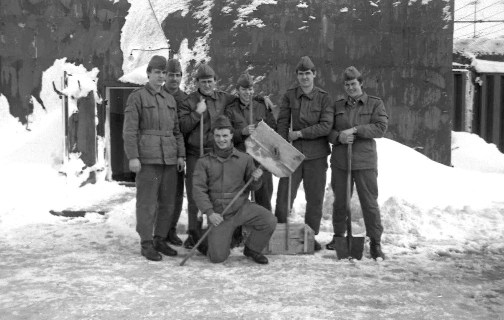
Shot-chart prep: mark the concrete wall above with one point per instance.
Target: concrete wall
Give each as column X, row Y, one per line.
column 403, row 48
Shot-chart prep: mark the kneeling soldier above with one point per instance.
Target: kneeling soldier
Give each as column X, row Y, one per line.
column 218, row 176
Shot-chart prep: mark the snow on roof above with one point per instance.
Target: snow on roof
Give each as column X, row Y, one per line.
column 486, row 66
column 479, row 46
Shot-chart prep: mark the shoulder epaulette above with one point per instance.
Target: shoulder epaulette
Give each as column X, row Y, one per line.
column 374, row 97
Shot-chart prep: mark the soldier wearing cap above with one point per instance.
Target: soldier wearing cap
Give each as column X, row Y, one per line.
column 244, row 114
column 218, row 176
column 306, row 118
column 172, row 86
column 155, row 149
column 207, row 103
column 358, row 119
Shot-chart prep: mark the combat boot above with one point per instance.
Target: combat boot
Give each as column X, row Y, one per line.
column 161, row 246
column 256, row 256
column 331, row 245
column 149, row 252
column 192, row 239
column 172, row 238
column 375, row 250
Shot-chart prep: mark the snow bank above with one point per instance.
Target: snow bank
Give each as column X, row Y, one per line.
column 486, row 66
column 471, row 152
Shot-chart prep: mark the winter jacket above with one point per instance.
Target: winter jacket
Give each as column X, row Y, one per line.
column 239, row 115
column 368, row 115
column 190, row 119
column 312, row 114
column 216, row 181
column 151, row 131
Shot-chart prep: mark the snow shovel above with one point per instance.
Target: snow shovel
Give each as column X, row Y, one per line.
column 349, row 247
column 203, row 237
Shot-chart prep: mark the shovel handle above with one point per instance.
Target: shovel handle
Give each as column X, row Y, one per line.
column 239, row 193
column 349, row 190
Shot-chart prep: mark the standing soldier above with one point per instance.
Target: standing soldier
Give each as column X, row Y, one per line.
column 203, row 105
column 358, row 119
column 155, row 149
column 172, row 85
column 245, row 114
column 306, row 118
column 218, row 176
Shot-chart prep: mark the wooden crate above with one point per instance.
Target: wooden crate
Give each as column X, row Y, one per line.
column 301, row 240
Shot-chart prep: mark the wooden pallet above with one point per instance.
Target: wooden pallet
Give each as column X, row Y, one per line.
column 301, row 240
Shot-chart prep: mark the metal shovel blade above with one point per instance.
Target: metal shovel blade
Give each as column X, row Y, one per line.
column 349, row 247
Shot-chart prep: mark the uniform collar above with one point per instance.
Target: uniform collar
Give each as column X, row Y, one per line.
column 152, row 91
column 243, row 106
column 352, row 102
column 300, row 93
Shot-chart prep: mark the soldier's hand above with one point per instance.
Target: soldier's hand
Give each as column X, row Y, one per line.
column 257, row 174
column 180, row 164
column 268, row 103
column 215, row 219
column 347, row 136
column 248, row 130
column 201, row 106
column 134, row 165
column 294, row 135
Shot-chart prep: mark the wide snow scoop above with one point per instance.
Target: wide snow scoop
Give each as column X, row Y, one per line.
column 272, row 151
column 281, row 158
column 349, row 247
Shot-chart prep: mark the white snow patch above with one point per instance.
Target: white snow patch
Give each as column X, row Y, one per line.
column 245, row 10
column 345, row 9
column 487, row 159
column 373, row 4
column 302, row 5
column 486, row 66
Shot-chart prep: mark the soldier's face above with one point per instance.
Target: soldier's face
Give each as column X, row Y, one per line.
column 173, row 80
column 156, row 77
column 353, row 88
column 206, row 86
column 223, row 138
column 245, row 94
column 305, row 78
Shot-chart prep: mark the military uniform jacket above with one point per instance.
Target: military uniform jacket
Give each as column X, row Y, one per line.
column 239, row 115
column 368, row 115
column 312, row 114
column 190, row 119
column 151, row 130
column 216, row 181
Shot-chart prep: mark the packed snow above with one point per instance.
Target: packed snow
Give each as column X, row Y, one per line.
column 443, row 237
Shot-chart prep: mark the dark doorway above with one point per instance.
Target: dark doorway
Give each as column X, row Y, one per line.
column 117, row 97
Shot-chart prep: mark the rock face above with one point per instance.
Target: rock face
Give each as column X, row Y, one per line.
column 403, row 48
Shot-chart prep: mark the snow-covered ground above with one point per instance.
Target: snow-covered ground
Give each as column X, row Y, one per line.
column 444, row 238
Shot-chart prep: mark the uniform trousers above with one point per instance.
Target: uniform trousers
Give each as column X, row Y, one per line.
column 313, row 174
column 254, row 217
column 155, row 199
column 179, row 200
column 367, row 190
column 192, row 209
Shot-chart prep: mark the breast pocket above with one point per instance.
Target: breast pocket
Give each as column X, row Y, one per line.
column 340, row 121
column 365, row 117
column 149, row 114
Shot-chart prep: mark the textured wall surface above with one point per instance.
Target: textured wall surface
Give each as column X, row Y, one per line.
column 403, row 48
column 33, row 34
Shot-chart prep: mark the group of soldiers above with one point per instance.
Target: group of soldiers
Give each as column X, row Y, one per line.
column 174, row 139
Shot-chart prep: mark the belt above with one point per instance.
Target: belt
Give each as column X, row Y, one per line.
column 161, row 133
column 222, row 195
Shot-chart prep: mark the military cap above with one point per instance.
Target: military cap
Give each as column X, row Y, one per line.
column 222, row 122
column 173, row 66
column 305, row 64
column 351, row 73
column 157, row 62
column 204, row 71
column 245, row 81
